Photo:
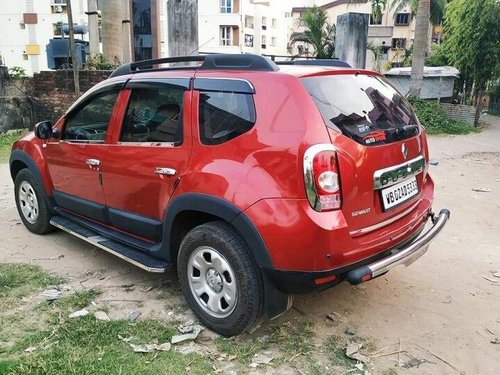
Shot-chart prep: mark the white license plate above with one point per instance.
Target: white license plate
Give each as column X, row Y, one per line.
column 399, row 193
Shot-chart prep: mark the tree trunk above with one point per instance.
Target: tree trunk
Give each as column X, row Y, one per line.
column 111, row 23
column 420, row 46
column 72, row 49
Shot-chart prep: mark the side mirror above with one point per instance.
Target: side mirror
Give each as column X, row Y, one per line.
column 43, row 130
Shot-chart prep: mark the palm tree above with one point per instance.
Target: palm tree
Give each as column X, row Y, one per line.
column 420, row 46
column 436, row 11
column 378, row 9
column 318, row 33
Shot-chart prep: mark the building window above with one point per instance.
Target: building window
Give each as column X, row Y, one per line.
column 249, row 22
column 398, row 43
column 263, row 42
column 274, row 23
column 57, row 28
column 226, row 6
column 301, row 20
column 402, row 19
column 375, row 22
column 226, row 36
column 248, row 40
column 264, row 23
column 273, row 41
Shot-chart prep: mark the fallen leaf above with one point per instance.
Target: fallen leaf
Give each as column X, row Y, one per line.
column 264, row 358
column 133, row 315
column 482, row 190
column 51, row 294
column 188, row 336
column 31, row 349
column 352, row 351
column 150, row 348
column 79, row 313
column 101, row 315
column 124, row 339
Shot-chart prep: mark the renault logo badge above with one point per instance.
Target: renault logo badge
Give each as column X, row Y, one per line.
column 404, row 150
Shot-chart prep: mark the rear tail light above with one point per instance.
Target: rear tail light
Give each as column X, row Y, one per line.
column 321, row 177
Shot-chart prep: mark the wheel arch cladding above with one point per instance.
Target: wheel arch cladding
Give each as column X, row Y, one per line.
column 213, row 208
column 20, row 160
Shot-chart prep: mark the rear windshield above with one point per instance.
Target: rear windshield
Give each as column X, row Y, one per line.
column 365, row 108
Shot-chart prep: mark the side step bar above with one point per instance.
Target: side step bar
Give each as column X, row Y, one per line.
column 135, row 257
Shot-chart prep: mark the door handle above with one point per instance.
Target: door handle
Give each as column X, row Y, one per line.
column 93, row 162
column 165, row 171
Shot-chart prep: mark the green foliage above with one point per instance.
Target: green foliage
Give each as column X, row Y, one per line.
column 89, row 346
column 17, row 72
column 437, row 8
column 472, row 39
column 19, row 280
column 318, row 33
column 99, row 62
column 437, row 56
column 378, row 9
column 6, row 141
column 435, row 121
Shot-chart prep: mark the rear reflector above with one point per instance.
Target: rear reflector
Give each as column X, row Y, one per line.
column 366, row 277
column 323, row 280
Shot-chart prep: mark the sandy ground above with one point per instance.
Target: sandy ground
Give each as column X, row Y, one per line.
column 441, row 309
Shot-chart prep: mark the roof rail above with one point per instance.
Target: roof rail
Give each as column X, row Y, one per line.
column 316, row 62
column 210, row 62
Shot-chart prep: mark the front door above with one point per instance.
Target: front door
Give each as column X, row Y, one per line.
column 148, row 155
column 75, row 161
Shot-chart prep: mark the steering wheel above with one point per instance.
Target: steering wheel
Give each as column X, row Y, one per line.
column 81, row 134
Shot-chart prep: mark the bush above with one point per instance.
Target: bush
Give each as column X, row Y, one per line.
column 435, row 121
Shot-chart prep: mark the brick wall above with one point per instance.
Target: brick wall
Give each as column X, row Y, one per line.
column 53, row 91
column 460, row 112
column 45, row 96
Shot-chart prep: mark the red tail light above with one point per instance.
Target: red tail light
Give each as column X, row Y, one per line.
column 322, row 178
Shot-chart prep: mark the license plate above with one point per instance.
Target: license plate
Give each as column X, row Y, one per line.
column 399, row 193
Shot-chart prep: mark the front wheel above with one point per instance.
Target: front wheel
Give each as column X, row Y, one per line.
column 220, row 279
column 32, row 203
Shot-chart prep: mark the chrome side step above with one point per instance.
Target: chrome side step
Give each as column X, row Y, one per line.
column 135, row 257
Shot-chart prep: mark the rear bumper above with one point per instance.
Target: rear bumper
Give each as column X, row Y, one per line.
column 405, row 253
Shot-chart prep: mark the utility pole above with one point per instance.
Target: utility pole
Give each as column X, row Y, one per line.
column 72, row 49
column 93, row 27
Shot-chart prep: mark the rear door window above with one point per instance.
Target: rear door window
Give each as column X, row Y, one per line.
column 365, row 108
column 224, row 116
column 154, row 115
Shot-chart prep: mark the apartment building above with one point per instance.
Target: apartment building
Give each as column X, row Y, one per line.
column 239, row 26
column 395, row 32
column 27, row 26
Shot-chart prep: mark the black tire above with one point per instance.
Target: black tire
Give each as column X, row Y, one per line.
column 41, row 224
column 222, row 238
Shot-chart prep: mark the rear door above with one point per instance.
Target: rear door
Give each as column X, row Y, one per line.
column 380, row 148
column 148, row 155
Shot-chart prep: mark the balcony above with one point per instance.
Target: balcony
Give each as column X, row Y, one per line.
column 380, row 31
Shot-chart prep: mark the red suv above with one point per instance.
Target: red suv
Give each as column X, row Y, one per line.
column 254, row 180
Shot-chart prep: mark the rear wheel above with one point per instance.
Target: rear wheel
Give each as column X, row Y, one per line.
column 32, row 203
column 220, row 279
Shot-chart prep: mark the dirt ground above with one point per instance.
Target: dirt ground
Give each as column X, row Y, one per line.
column 442, row 309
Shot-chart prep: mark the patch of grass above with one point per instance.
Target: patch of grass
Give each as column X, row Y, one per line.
column 435, row 121
column 6, row 141
column 19, row 280
column 390, row 371
column 88, row 346
column 289, row 338
column 336, row 346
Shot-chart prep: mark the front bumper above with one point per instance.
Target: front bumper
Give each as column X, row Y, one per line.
column 403, row 256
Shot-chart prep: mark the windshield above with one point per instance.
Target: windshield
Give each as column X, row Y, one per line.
column 365, row 108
